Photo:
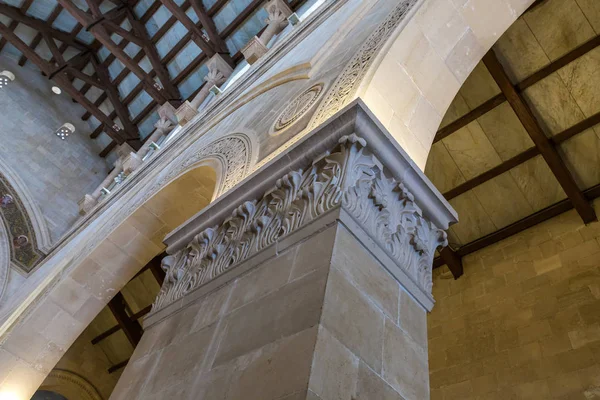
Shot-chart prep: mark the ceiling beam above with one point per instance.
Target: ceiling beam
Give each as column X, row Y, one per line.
column 120, row 109
column 209, row 26
column 521, row 225
column 132, row 329
column 14, row 23
column 522, row 157
column 100, row 33
column 520, row 87
column 453, row 261
column 150, row 50
column 118, row 366
column 62, row 81
column 154, row 266
column 197, row 35
column 42, row 26
column 537, row 135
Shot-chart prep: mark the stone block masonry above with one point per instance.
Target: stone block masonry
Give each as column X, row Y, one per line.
column 524, row 320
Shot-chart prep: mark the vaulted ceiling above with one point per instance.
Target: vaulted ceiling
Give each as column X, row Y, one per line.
column 120, row 59
column 520, row 143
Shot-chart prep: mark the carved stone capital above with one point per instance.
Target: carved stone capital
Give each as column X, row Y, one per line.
column 185, row 113
column 254, row 50
column 351, row 169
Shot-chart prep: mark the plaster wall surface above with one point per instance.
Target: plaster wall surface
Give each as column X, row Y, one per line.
column 523, row 322
column 56, row 172
column 310, row 323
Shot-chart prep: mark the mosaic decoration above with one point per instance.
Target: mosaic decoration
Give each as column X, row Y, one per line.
column 24, row 252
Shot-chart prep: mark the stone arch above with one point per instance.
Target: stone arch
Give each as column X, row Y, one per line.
column 20, row 217
column 122, row 247
column 130, row 235
column 70, row 385
column 411, row 67
column 4, row 259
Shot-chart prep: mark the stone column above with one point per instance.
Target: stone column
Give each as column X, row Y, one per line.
column 218, row 72
column 257, row 46
column 311, row 280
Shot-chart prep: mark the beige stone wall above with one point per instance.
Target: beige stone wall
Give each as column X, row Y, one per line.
column 426, row 62
column 310, row 323
column 523, row 321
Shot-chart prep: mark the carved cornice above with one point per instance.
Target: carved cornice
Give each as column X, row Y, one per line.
column 348, row 174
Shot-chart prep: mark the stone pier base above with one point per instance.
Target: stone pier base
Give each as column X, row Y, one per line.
column 322, row 319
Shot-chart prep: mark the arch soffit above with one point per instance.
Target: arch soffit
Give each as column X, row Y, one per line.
column 38, row 221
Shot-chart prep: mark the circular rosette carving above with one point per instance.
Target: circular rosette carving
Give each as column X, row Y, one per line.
column 298, row 107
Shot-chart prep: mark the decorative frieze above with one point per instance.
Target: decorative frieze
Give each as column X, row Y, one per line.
column 349, row 176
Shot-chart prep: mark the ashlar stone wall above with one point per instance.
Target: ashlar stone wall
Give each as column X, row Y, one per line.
column 321, row 320
column 524, row 320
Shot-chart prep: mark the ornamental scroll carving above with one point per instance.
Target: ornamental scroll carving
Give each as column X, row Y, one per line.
column 350, row 177
column 344, row 89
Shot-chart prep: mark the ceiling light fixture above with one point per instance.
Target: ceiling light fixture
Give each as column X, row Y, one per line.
column 56, row 90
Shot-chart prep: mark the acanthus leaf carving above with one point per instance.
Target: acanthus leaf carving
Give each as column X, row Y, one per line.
column 349, row 176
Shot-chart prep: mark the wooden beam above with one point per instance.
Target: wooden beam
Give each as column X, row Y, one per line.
column 209, row 26
column 469, row 117
column 106, row 151
column 197, row 34
column 247, row 12
column 13, row 24
column 453, row 261
column 62, row 81
column 100, row 33
column 144, row 311
column 122, row 112
column 118, row 366
column 42, row 26
column 521, row 225
column 132, row 329
column 544, row 145
column 522, row 157
column 520, row 87
column 150, row 50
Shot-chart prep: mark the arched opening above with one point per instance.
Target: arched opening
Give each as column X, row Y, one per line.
column 86, row 289
column 517, row 156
